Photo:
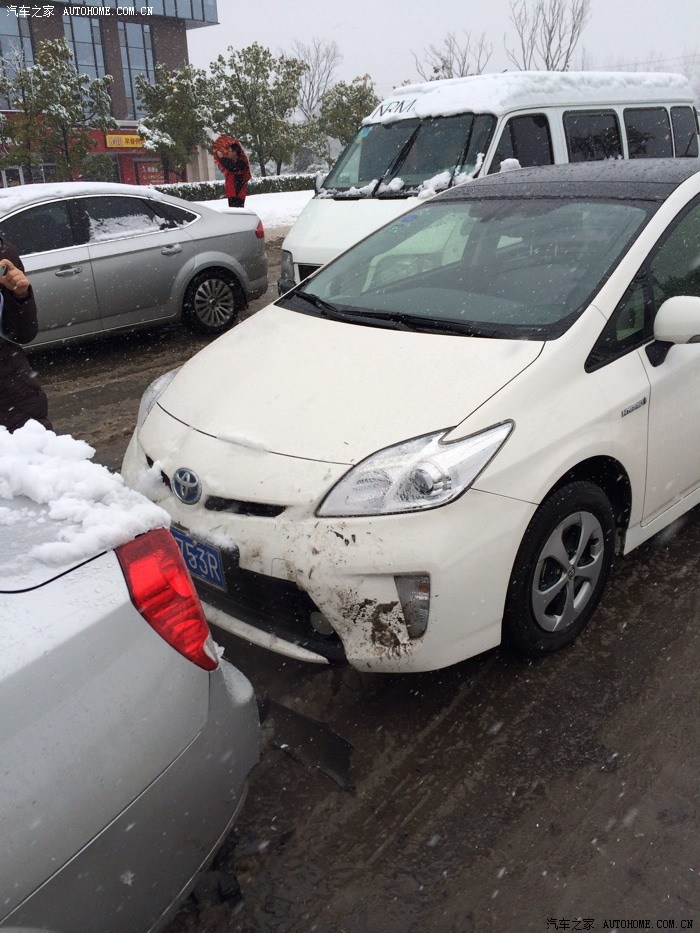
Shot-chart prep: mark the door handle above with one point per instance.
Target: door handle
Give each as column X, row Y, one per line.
column 68, row 270
column 171, row 250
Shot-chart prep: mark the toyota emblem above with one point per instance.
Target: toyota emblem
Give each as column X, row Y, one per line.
column 186, row 486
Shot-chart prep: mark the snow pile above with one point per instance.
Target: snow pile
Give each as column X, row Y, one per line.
column 89, row 509
column 279, row 209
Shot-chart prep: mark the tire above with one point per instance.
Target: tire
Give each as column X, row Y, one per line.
column 212, row 302
column 560, row 571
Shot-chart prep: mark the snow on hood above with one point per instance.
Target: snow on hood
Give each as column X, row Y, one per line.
column 83, row 508
column 301, row 386
column 495, row 93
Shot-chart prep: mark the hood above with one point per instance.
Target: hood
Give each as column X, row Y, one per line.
column 308, row 387
column 326, row 228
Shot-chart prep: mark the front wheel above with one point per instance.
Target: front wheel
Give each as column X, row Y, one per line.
column 212, row 302
column 561, row 570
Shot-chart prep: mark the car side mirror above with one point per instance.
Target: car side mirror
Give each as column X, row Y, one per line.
column 678, row 320
column 319, row 178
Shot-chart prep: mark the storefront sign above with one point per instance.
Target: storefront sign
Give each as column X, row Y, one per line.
column 121, row 141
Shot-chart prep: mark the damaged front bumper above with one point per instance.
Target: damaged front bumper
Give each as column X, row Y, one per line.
column 328, row 590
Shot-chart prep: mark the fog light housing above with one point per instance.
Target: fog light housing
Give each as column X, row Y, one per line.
column 319, row 623
column 414, row 595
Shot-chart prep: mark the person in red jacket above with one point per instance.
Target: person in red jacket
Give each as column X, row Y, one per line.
column 21, row 396
column 233, row 162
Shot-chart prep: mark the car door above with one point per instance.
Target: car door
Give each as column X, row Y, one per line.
column 137, row 257
column 673, row 460
column 57, row 263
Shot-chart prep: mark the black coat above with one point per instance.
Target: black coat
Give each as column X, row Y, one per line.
column 21, row 396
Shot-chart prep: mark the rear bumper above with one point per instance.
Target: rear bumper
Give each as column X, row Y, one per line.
column 134, row 874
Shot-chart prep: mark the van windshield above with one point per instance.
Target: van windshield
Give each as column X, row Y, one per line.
column 406, row 153
column 516, row 268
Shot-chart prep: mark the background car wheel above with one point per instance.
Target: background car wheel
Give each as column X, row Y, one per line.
column 212, row 302
column 561, row 570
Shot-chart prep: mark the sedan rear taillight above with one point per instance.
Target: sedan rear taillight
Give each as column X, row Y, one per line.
column 162, row 591
column 260, row 231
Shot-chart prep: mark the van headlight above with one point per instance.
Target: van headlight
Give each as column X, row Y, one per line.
column 152, row 394
column 286, row 265
column 422, row 473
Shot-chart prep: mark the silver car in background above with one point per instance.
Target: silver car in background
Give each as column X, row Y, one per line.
column 125, row 745
column 109, row 258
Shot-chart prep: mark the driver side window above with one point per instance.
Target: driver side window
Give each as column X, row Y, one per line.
column 673, row 269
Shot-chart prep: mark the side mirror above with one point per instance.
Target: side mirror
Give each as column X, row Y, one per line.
column 318, row 181
column 678, row 320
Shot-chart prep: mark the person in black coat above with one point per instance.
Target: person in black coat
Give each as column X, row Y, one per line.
column 21, row 396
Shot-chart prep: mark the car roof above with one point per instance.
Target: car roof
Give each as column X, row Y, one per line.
column 23, row 195
column 631, row 179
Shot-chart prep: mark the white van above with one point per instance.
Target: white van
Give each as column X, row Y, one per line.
column 427, row 137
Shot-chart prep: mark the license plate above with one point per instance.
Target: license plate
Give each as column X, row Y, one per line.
column 203, row 561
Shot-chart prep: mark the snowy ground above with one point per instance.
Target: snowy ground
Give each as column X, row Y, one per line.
column 275, row 210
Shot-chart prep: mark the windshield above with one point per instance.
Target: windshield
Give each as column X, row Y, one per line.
column 370, row 154
column 411, row 152
column 499, row 267
column 444, row 145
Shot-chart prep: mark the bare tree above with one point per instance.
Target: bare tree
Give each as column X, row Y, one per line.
column 454, row 59
column 322, row 59
column 548, row 33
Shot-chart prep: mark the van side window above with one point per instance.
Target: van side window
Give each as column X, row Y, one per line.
column 685, row 132
column 526, row 139
column 592, row 135
column 648, row 133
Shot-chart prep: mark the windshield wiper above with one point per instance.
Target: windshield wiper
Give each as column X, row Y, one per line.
column 325, row 308
column 417, row 322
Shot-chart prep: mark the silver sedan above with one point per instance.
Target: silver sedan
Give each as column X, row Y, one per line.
column 108, row 258
column 125, row 742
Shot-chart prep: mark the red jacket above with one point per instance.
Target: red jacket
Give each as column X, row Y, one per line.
column 236, row 171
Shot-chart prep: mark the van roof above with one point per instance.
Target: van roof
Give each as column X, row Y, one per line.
column 515, row 90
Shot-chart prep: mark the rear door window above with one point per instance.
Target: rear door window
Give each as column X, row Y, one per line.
column 685, row 132
column 112, row 217
column 648, row 133
column 592, row 135
column 526, row 139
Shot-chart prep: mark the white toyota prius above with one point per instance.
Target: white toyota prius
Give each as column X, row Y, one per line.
column 446, row 436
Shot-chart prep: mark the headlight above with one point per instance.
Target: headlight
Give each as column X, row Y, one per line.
column 419, row 474
column 287, row 266
column 152, row 394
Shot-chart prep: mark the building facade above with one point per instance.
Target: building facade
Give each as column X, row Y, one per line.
column 120, row 39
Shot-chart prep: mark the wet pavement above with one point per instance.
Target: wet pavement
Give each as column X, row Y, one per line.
column 497, row 795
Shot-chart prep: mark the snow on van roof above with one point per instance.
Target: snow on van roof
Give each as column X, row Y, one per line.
column 512, row 90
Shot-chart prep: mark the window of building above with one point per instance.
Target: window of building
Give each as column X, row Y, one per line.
column 15, row 49
column 591, row 136
column 85, row 41
column 648, row 133
column 685, row 131
column 137, row 59
column 526, row 139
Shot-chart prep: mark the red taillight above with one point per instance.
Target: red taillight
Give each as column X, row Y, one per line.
column 162, row 591
column 260, row 231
